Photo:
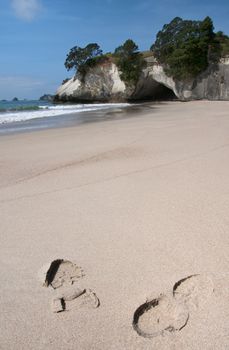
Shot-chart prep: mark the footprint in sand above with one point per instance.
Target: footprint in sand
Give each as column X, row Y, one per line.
column 62, row 272
column 62, row 276
column 159, row 315
column 193, row 290
column 170, row 313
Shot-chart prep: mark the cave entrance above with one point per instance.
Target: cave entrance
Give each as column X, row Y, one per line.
column 162, row 93
column 151, row 90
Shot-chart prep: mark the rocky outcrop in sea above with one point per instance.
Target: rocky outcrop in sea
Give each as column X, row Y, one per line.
column 46, row 97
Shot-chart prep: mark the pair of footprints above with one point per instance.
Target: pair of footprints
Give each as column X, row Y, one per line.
column 62, row 276
column 167, row 313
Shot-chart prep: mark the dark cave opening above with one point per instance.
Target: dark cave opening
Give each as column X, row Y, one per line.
column 162, row 93
column 150, row 90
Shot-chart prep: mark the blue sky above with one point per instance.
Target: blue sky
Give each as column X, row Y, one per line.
column 36, row 35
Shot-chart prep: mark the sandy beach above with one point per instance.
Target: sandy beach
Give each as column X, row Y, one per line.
column 139, row 204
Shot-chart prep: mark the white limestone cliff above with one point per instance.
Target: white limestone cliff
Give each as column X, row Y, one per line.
column 103, row 83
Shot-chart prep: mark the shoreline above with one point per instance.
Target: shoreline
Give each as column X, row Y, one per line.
column 139, row 204
column 77, row 119
column 57, row 121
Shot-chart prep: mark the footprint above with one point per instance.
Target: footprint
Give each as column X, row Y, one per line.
column 86, row 299
column 194, row 290
column 74, row 298
column 63, row 275
column 157, row 316
column 62, row 272
column 171, row 313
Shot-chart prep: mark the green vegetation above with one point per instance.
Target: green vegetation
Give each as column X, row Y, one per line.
column 91, row 62
column 186, row 47
column 223, row 41
column 146, row 54
column 78, row 58
column 65, row 81
column 130, row 61
column 127, row 57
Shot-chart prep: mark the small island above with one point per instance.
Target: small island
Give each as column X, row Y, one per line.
column 46, row 97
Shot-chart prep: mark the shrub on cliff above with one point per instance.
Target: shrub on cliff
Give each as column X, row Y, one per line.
column 223, row 41
column 129, row 61
column 185, row 47
column 65, row 81
column 80, row 58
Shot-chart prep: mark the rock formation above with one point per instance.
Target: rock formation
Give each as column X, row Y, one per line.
column 102, row 83
column 46, row 97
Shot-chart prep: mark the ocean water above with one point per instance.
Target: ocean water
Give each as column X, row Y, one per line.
column 21, row 111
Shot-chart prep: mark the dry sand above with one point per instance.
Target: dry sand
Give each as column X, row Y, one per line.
column 139, row 204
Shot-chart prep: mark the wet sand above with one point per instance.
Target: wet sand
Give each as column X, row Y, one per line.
column 134, row 205
column 74, row 119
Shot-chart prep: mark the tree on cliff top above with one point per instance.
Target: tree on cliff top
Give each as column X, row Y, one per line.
column 223, row 41
column 130, row 61
column 79, row 57
column 186, row 47
column 126, row 50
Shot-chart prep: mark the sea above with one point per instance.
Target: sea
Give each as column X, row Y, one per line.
column 26, row 115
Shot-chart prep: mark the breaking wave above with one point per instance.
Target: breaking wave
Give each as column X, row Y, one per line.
column 23, row 113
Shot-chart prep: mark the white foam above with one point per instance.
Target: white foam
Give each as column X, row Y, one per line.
column 52, row 111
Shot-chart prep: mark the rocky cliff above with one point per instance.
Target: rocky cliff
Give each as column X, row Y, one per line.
column 46, row 97
column 103, row 83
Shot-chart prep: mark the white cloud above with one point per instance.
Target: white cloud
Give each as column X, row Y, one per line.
column 26, row 9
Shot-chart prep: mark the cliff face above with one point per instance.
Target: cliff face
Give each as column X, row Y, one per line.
column 103, row 83
column 213, row 84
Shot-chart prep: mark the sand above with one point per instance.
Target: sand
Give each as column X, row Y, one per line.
column 139, row 204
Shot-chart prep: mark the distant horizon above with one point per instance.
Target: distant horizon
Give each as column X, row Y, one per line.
column 21, row 99
column 32, row 60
